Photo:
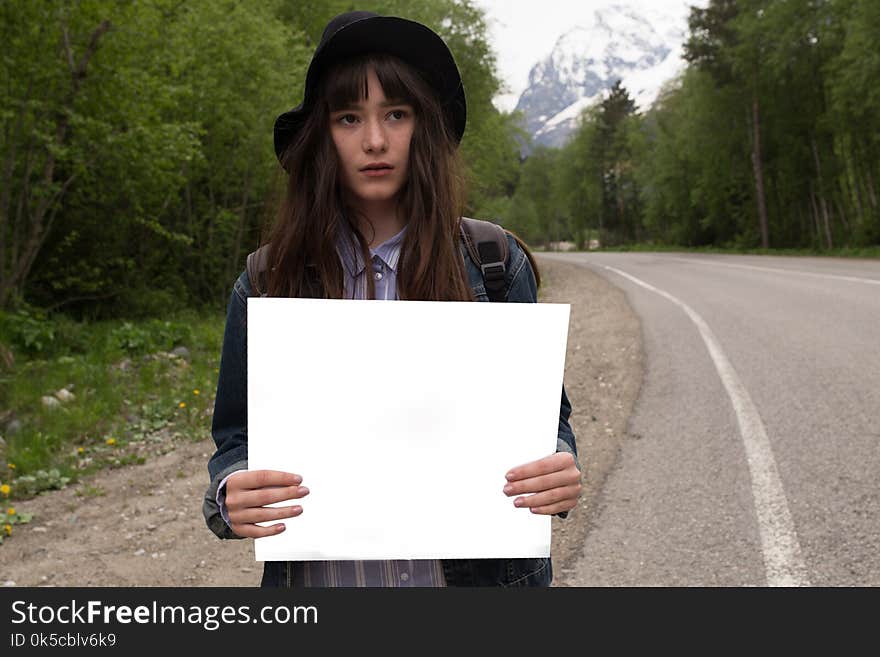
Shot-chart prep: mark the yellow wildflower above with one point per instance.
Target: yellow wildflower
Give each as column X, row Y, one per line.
column 11, row 466
column 111, row 441
column 196, row 391
column 5, row 489
column 8, row 529
column 182, row 405
column 81, row 450
column 10, row 511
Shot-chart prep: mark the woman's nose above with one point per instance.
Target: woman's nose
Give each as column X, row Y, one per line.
column 375, row 138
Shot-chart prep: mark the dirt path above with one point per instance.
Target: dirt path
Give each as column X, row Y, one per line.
column 146, row 528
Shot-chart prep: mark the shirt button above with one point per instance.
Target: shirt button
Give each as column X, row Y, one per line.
column 404, row 576
column 378, row 276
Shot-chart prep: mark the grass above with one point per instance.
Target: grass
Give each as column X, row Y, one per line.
column 132, row 397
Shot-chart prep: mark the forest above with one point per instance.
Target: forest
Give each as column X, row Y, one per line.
column 136, row 161
column 137, row 169
column 770, row 139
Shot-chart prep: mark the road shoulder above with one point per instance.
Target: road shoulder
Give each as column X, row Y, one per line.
column 603, row 375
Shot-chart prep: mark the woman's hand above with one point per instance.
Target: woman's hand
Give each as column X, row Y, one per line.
column 554, row 481
column 249, row 491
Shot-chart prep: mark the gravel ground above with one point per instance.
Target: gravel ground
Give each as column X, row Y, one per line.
column 142, row 525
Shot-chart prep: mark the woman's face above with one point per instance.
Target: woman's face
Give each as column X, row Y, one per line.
column 372, row 140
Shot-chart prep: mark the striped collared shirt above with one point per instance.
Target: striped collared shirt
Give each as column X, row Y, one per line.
column 383, row 266
column 407, row 572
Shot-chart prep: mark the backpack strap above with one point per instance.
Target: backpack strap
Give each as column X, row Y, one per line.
column 256, row 264
column 487, row 245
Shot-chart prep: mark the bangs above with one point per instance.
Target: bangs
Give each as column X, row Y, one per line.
column 346, row 83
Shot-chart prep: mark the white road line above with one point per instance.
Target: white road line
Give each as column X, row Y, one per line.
column 783, row 559
column 854, row 279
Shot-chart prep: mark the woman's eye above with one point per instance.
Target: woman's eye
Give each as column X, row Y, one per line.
column 347, row 119
column 397, row 114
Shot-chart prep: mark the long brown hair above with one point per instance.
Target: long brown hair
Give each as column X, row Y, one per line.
column 303, row 260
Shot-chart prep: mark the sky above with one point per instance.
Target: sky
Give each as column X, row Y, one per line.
column 524, row 31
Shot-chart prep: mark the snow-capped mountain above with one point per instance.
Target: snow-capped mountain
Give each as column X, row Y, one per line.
column 643, row 49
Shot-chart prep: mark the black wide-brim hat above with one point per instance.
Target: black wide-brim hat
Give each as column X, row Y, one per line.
column 361, row 32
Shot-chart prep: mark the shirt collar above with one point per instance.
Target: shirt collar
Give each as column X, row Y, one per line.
column 352, row 258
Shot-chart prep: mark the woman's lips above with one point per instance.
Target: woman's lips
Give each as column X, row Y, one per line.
column 376, row 173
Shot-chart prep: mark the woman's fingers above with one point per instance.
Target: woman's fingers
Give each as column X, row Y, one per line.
column 243, row 521
column 543, row 482
column 554, row 482
column 550, row 497
column 255, row 531
column 246, row 499
column 263, row 514
column 556, row 462
column 552, row 509
column 253, row 479
column 249, row 494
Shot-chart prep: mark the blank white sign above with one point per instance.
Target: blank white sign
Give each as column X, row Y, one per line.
column 403, row 418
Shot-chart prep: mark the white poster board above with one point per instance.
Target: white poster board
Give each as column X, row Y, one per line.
column 403, row 418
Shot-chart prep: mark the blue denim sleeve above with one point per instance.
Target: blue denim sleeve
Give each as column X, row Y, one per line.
column 229, row 423
column 523, row 289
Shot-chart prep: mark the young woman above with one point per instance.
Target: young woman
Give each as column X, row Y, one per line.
column 373, row 208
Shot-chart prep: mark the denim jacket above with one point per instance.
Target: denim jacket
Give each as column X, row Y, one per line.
column 229, row 429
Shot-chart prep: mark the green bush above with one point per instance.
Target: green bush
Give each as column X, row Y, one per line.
column 129, row 337
column 34, row 333
column 27, row 330
column 167, row 335
column 151, row 335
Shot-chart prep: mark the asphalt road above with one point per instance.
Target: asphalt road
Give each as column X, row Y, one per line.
column 753, row 451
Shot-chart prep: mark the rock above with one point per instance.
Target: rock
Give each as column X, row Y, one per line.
column 13, row 427
column 50, row 402
column 181, row 351
column 39, row 530
column 151, row 528
column 64, row 395
column 123, row 365
column 140, row 552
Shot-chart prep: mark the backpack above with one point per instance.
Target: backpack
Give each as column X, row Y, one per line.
column 486, row 244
